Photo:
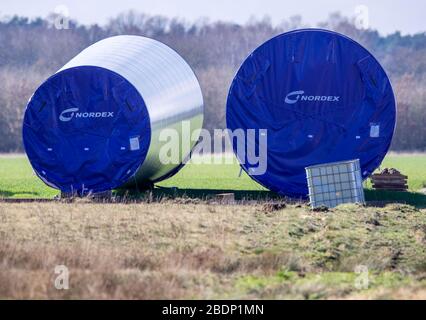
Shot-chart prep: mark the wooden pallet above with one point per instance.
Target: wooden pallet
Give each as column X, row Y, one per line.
column 386, row 181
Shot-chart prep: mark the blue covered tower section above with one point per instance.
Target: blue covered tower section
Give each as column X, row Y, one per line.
column 322, row 98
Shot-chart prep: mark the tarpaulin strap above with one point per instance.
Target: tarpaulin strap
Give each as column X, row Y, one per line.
column 331, row 53
column 294, row 52
column 369, row 75
column 251, row 80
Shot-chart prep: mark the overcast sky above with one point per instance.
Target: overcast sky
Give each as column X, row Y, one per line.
column 387, row 16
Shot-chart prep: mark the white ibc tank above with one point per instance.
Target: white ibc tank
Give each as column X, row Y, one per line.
column 331, row 184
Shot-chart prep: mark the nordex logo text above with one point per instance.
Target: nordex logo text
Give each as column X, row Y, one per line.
column 69, row 114
column 296, row 96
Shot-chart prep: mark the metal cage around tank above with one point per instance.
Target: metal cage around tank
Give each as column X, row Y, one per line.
column 332, row 184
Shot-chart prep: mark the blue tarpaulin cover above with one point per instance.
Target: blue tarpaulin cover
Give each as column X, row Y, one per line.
column 86, row 129
column 322, row 97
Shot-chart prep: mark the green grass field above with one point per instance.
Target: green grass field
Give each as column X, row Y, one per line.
column 185, row 248
column 18, row 180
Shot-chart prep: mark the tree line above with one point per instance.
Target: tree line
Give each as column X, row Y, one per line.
column 32, row 50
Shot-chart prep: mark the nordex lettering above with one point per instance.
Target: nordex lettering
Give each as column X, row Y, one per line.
column 69, row 114
column 296, row 96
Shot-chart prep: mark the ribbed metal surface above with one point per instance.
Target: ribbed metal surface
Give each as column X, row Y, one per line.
column 165, row 81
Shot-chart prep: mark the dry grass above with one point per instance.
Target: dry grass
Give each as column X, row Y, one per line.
column 172, row 251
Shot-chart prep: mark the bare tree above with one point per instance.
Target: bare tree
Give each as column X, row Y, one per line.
column 31, row 50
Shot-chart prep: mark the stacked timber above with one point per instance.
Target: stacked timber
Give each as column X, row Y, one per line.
column 390, row 179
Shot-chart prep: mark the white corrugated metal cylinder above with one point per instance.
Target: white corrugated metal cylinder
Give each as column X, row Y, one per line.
column 168, row 87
